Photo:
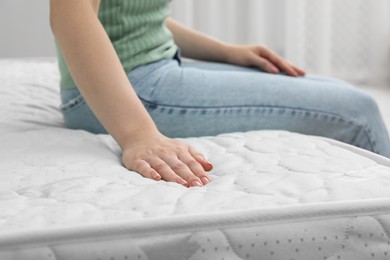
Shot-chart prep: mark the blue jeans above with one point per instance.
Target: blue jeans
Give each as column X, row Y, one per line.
column 204, row 98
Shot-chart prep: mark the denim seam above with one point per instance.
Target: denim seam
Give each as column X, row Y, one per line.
column 179, row 107
column 368, row 133
column 72, row 104
column 361, row 125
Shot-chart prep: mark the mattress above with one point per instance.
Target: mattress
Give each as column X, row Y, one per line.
column 275, row 195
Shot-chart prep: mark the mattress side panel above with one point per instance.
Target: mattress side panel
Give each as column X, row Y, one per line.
column 358, row 238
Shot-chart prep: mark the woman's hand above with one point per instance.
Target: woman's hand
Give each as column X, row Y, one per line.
column 158, row 157
column 196, row 45
column 261, row 57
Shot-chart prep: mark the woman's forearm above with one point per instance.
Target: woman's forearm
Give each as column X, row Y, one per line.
column 97, row 70
column 196, row 45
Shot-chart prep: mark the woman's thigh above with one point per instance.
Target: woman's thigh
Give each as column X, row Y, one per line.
column 199, row 99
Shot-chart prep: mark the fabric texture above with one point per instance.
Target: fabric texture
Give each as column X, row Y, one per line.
column 137, row 31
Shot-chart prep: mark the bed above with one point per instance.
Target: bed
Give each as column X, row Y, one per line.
column 275, row 195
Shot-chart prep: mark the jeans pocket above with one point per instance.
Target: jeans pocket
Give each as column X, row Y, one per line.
column 72, row 104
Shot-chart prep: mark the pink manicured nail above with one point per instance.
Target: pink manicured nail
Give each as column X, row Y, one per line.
column 182, row 182
column 196, row 184
column 205, row 180
column 207, row 165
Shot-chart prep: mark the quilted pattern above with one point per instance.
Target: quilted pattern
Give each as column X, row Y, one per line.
column 48, row 181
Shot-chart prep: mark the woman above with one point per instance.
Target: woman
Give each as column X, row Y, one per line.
column 122, row 73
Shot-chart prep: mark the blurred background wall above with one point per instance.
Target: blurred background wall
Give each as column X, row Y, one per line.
column 24, row 29
column 348, row 39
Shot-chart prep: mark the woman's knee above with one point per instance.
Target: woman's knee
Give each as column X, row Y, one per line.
column 362, row 104
column 364, row 111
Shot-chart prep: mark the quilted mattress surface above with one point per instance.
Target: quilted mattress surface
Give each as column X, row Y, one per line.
column 275, row 195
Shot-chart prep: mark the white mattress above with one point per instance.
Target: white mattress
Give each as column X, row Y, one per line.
column 275, row 195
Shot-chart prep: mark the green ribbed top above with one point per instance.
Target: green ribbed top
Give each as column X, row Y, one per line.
column 136, row 29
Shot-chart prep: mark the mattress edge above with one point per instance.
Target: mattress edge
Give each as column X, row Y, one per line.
column 362, row 152
column 177, row 224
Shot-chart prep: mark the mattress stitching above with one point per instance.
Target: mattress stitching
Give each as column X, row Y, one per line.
column 383, row 226
column 347, row 228
column 53, row 252
column 228, row 240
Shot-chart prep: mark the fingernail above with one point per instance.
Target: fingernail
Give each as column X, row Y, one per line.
column 210, row 164
column 205, row 180
column 182, row 182
column 156, row 177
column 196, row 184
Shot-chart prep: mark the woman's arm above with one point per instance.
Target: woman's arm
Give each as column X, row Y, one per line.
column 96, row 69
column 196, row 45
column 98, row 73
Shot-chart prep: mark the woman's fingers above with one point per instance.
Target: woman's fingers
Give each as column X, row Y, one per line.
column 262, row 57
column 266, row 65
column 207, row 166
column 173, row 171
column 195, row 167
column 169, row 160
column 279, row 62
column 144, row 168
column 300, row 71
column 183, row 170
column 267, row 57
